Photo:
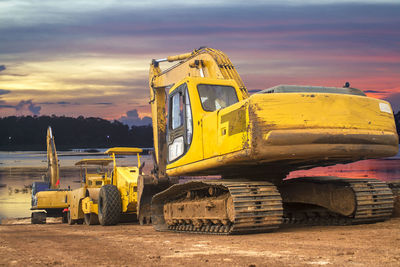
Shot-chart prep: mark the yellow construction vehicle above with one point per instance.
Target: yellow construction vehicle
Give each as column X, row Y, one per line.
column 214, row 127
column 47, row 199
column 105, row 195
column 85, row 198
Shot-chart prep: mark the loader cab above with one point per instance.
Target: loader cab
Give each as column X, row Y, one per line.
column 189, row 101
column 95, row 173
column 125, row 170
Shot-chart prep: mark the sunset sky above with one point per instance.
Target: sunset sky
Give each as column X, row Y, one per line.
column 91, row 58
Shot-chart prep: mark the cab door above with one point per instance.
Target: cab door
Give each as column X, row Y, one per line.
column 180, row 125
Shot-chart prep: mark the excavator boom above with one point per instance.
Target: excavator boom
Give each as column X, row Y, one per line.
column 202, row 62
column 53, row 171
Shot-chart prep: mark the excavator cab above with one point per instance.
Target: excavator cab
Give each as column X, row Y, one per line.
column 189, row 102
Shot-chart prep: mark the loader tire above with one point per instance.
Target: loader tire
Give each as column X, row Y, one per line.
column 38, row 217
column 69, row 219
column 109, row 205
column 91, row 219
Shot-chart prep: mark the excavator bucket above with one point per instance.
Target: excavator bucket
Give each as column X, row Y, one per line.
column 147, row 187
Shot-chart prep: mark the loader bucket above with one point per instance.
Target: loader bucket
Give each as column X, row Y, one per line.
column 147, row 187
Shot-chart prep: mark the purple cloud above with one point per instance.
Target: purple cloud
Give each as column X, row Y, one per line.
column 104, row 103
column 262, row 26
column 4, row 92
column 33, row 108
column 23, row 105
column 268, row 43
column 132, row 118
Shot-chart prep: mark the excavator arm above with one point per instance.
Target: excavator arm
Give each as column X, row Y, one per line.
column 53, row 172
column 202, row 62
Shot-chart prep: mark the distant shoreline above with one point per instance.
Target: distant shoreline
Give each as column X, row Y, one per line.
column 90, row 151
column 3, row 168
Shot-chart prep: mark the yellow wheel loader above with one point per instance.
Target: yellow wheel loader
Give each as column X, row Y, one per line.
column 47, row 199
column 106, row 195
column 85, row 198
column 214, row 128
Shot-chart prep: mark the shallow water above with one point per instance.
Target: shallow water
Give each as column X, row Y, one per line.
column 39, row 158
column 19, row 169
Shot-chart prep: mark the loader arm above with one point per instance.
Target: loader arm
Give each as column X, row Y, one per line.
column 202, row 62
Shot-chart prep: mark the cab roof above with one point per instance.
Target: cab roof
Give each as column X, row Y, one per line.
column 104, row 162
column 283, row 88
column 123, row 151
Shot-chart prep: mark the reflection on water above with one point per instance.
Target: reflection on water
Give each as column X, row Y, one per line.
column 383, row 169
column 19, row 169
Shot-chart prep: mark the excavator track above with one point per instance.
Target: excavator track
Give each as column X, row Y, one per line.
column 373, row 198
column 257, row 208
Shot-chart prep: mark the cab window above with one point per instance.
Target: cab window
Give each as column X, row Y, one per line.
column 177, row 111
column 214, row 97
column 188, row 118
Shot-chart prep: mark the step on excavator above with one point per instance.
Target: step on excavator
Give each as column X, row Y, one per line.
column 206, row 125
column 48, row 200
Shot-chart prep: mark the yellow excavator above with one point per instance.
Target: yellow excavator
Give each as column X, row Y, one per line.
column 48, row 200
column 205, row 124
column 106, row 195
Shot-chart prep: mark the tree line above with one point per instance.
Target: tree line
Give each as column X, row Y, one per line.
column 29, row 133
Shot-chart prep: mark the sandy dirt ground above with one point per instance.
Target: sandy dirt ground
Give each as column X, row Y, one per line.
column 22, row 244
